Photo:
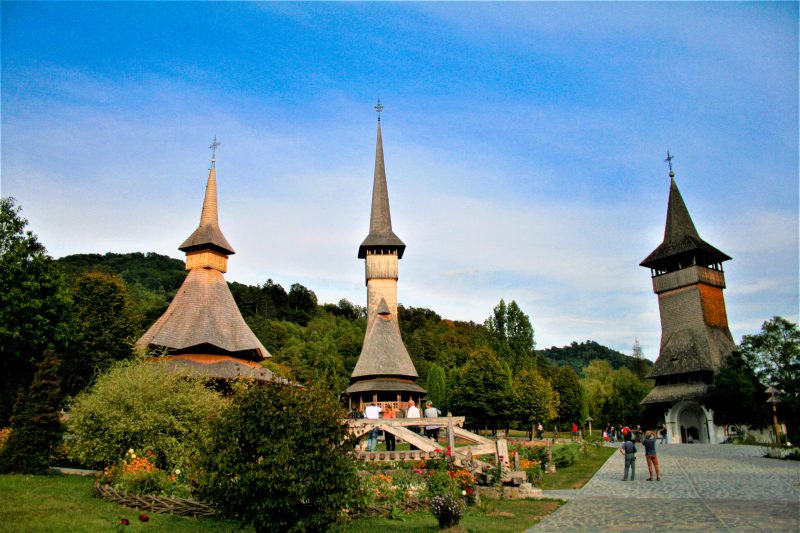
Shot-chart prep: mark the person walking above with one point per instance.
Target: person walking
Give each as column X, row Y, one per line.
column 628, row 449
column 391, row 442
column 432, row 432
column 372, row 412
column 651, row 457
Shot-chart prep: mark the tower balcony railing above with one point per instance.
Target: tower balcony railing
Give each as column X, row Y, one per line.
column 688, row 276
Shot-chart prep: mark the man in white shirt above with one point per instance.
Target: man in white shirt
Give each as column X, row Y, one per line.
column 372, row 412
column 412, row 412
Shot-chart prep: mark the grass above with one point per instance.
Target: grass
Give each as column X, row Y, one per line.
column 577, row 475
column 65, row 503
column 496, row 516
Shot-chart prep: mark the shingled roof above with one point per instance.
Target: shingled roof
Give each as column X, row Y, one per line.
column 684, row 351
column 204, row 312
column 381, row 236
column 208, row 234
column 383, row 353
column 676, row 392
column 680, row 235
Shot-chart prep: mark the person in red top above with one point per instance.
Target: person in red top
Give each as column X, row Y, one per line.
column 626, row 433
column 574, row 431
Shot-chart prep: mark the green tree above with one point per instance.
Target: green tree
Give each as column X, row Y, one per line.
column 483, row 392
column 35, row 426
column 774, row 355
column 534, row 399
column 33, row 305
column 103, row 329
column 737, row 396
column 627, row 390
column 437, row 387
column 599, row 387
column 281, row 459
column 514, row 336
column 565, row 382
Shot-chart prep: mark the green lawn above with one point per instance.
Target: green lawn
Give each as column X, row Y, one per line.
column 500, row 516
column 578, row 474
column 65, row 504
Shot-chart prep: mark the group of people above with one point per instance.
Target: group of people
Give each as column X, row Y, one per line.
column 628, row 449
column 374, row 412
column 623, row 433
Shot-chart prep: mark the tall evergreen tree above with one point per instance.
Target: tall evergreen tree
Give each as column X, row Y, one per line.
column 640, row 366
column 35, row 426
column 437, row 387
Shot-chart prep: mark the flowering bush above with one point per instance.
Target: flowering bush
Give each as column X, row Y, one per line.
column 138, row 474
column 4, row 433
column 447, row 509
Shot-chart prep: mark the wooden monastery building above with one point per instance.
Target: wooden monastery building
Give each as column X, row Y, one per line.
column 384, row 372
column 202, row 329
column 688, row 278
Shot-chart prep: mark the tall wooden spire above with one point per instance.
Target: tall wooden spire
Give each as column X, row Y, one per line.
column 380, row 237
column 384, row 371
column 203, row 323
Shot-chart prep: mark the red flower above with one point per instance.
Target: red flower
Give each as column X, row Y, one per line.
column 125, row 522
column 451, row 473
column 469, row 490
column 143, row 517
column 437, row 450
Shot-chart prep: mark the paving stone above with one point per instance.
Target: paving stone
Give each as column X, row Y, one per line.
column 703, row 487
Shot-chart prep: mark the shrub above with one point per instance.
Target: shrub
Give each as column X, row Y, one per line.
column 447, row 509
column 35, row 423
column 565, row 455
column 138, row 474
column 281, row 459
column 139, row 405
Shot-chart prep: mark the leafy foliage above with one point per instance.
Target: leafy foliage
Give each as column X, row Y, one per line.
column 103, row 328
column 137, row 404
column 513, row 334
column 737, row 396
column 36, row 429
column 33, row 305
column 534, row 399
column 613, row 395
column 437, row 387
column 571, row 396
column 774, row 355
column 281, row 459
column 484, row 389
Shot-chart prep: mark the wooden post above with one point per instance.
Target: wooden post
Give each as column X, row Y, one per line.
column 451, row 434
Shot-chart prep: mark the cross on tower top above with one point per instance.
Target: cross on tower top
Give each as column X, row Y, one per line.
column 379, row 108
column 668, row 161
column 213, row 148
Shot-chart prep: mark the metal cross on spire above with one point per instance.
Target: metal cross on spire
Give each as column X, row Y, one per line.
column 379, row 108
column 668, row 161
column 213, row 148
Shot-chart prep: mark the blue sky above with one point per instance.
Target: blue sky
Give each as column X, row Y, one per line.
column 524, row 145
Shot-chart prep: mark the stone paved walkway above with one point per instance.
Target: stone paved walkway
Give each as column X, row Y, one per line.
column 706, row 488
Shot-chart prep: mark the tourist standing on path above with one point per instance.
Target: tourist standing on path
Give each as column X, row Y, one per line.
column 432, row 432
column 372, row 412
column 540, row 430
column 412, row 412
column 574, row 431
column 628, row 449
column 391, row 443
column 637, row 434
column 651, row 457
column 663, row 432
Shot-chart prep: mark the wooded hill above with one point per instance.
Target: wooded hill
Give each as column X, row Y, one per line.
column 307, row 339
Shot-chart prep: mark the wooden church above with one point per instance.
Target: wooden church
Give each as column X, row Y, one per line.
column 384, row 372
column 688, row 278
column 202, row 330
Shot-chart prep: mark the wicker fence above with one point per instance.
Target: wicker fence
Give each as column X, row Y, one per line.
column 155, row 504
